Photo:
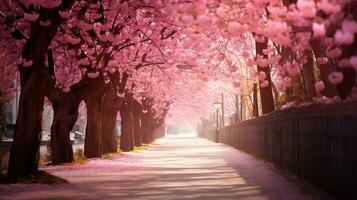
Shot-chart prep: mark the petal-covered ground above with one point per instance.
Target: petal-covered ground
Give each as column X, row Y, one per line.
column 172, row 168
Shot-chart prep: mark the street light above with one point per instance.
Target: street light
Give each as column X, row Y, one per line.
column 217, row 105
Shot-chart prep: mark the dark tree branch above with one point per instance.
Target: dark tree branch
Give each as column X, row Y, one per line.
column 51, row 64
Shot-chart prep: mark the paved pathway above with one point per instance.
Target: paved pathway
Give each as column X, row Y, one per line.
column 174, row 168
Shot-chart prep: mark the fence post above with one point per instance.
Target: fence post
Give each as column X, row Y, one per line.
column 321, row 135
column 297, row 148
column 281, row 144
column 265, row 141
column 326, row 150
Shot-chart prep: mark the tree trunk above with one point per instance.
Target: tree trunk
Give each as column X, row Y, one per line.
column 157, row 124
column 308, row 73
column 110, row 109
column 65, row 106
column 137, row 129
column 25, row 148
column 325, row 69
column 151, row 131
column 157, row 130
column 27, row 137
column 65, row 116
column 109, row 142
column 255, row 101
column 126, row 137
column 137, row 123
column 266, row 93
column 92, row 144
column 145, row 128
column 3, row 122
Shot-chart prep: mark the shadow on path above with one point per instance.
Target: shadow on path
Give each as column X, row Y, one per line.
column 173, row 168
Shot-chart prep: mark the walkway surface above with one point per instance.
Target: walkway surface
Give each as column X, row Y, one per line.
column 173, row 168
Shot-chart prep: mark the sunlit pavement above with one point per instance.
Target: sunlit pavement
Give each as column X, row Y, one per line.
column 173, row 168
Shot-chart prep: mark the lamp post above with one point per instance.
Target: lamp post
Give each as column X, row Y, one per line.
column 217, row 105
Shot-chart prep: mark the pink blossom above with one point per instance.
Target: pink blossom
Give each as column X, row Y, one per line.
column 120, row 95
column 221, row 12
column 343, row 63
column 259, row 39
column 281, row 70
column 322, row 60
column 319, row 86
column 262, row 76
column 277, row 11
column 84, row 62
column 349, row 26
column 236, row 84
column 187, row 19
column 106, row 80
column 307, row 8
column 344, row 37
column 20, row 43
column 96, row 27
column 156, row 38
column 275, row 28
column 204, row 21
column 93, row 75
column 334, row 53
column 287, row 81
column 262, row 62
column 328, row 8
column 264, row 84
column 328, row 41
column 72, row 40
column 233, row 69
column 19, row 61
column 65, row 14
column 265, row 51
column 235, row 28
column 318, row 29
column 31, row 17
column 335, row 78
column 288, row 105
column 27, row 63
column 250, row 8
column 280, row 87
column 353, row 62
column 66, row 89
column 293, row 69
column 274, row 59
column 45, row 23
column 52, row 45
column 51, row 3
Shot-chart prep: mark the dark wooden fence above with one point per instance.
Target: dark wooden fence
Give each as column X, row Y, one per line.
column 317, row 143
